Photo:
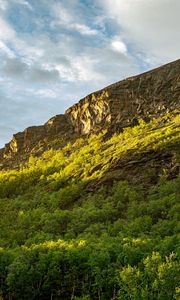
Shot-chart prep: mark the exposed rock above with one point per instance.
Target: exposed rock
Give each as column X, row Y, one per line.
column 91, row 113
column 148, row 95
column 57, row 124
column 23, row 141
column 119, row 105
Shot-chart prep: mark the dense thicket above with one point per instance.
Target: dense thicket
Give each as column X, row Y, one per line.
column 71, row 228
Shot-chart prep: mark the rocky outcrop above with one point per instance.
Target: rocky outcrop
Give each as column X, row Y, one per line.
column 24, row 141
column 148, row 95
column 119, row 105
column 91, row 113
column 58, row 124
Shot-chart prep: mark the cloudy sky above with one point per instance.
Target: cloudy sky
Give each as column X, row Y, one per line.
column 54, row 52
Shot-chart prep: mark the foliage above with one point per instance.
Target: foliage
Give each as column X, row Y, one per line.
column 95, row 219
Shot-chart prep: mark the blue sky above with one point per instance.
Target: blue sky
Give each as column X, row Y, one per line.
column 54, row 52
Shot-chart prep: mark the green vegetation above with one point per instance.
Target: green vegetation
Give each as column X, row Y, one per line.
column 97, row 219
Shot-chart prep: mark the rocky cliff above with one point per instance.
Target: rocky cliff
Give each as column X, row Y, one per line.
column 31, row 135
column 148, row 95
column 119, row 105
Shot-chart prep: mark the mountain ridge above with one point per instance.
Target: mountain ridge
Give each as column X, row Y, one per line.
column 119, row 105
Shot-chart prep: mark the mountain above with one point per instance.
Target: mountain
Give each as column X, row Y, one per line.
column 89, row 201
column 151, row 94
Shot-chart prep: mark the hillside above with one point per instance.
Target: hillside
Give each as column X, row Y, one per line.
column 89, row 201
column 123, row 104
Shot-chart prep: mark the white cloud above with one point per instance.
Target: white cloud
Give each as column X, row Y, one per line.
column 38, row 74
column 65, row 16
column 29, row 48
column 83, row 29
column 66, row 72
column 119, row 46
column 5, row 49
column 67, row 58
column 46, row 93
column 61, row 13
column 3, row 5
column 84, row 67
column 6, row 31
column 152, row 26
column 23, row 2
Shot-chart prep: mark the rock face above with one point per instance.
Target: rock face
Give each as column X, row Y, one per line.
column 150, row 94
column 23, row 141
column 119, row 105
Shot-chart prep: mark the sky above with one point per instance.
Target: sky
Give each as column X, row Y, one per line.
column 55, row 52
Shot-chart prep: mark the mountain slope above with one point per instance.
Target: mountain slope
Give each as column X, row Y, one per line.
column 95, row 216
column 151, row 94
